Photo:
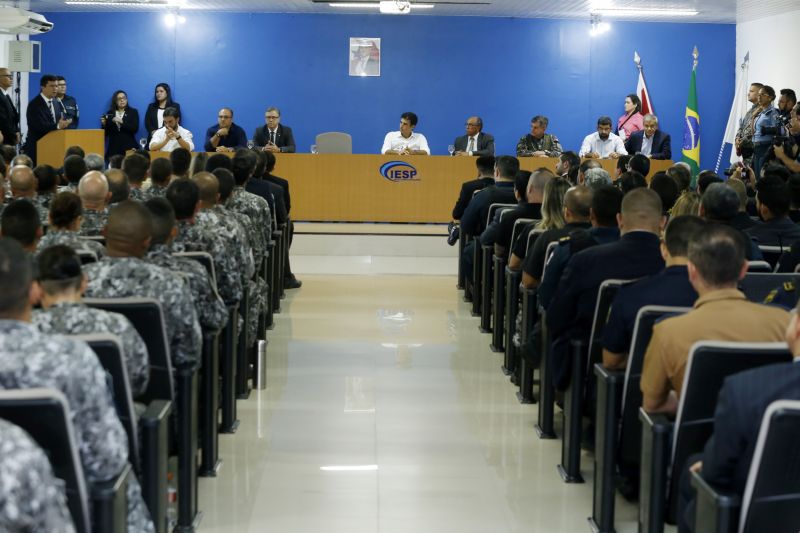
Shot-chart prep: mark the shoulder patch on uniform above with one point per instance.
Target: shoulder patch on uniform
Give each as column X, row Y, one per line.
column 788, row 286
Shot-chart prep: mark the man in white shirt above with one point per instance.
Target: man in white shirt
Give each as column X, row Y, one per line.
column 602, row 144
column 405, row 141
column 171, row 135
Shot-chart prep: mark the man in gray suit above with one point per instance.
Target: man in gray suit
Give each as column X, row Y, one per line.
column 475, row 142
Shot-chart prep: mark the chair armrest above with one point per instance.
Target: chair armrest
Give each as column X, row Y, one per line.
column 715, row 512
column 655, row 458
column 110, row 503
column 154, row 434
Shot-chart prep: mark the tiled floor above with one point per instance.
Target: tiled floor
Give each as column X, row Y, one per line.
column 387, row 376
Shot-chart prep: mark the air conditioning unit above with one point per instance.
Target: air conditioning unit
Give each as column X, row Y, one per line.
column 18, row 21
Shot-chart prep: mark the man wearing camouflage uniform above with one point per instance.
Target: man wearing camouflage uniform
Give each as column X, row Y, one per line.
column 63, row 283
column 124, row 273
column 64, row 221
column 31, row 359
column 538, row 143
column 31, row 498
column 93, row 190
column 160, row 175
column 22, row 182
column 746, row 126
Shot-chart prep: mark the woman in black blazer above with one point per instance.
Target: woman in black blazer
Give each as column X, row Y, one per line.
column 154, row 117
column 121, row 124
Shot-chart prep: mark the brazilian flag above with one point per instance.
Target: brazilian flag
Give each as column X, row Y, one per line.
column 691, row 126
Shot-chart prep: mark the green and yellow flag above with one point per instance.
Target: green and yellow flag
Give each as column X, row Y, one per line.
column 691, row 127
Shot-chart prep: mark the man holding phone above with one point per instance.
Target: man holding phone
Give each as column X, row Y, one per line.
column 274, row 136
column 171, row 135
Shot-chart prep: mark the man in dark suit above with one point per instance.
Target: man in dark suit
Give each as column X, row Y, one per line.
column 43, row 114
column 485, row 164
column 273, row 136
column 650, row 141
column 475, row 142
column 9, row 116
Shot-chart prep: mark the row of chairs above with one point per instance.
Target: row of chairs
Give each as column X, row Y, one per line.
column 183, row 406
column 627, row 440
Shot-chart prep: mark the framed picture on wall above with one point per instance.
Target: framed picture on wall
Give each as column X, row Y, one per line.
column 365, row 56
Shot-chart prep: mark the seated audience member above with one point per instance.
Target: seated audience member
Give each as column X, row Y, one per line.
column 137, row 168
column 125, row 273
column 552, row 218
column 794, row 190
column 219, row 161
column 256, row 208
column 636, row 254
column 602, row 143
column 23, row 160
column 622, row 166
column 277, row 180
column 475, row 142
column 568, row 166
column 94, row 193
column 274, row 136
column 23, row 185
column 267, row 190
column 8, row 153
column 716, row 264
column 742, row 220
column 538, row 143
column 211, row 310
column 583, row 167
column 574, row 207
column 682, row 177
column 719, row 204
column 485, row 165
column 46, row 185
column 606, row 203
column 669, row 287
column 639, row 163
column 650, row 142
column 65, row 220
column 118, row 186
column 171, row 135
column 502, row 192
column 181, row 160
column 773, row 201
column 192, row 236
column 198, row 163
column 596, row 177
column 115, row 161
column 743, row 400
column 706, row 178
column 406, row 141
column 225, row 136
column 20, row 221
column 529, row 191
column 688, row 203
column 94, row 162
column 666, row 188
column 144, row 153
column 32, row 359
column 630, row 180
column 31, row 497
column 63, row 283
column 160, row 176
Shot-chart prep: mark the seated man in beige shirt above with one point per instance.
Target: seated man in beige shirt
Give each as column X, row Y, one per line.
column 716, row 263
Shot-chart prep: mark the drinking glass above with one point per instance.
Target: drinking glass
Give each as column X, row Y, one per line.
column 452, row 149
column 142, row 142
column 250, row 144
column 313, row 148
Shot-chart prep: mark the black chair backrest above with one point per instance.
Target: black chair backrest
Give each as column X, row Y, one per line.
column 605, row 296
column 533, row 233
column 493, row 210
column 771, row 499
column 147, row 317
column 44, row 414
column 630, row 437
column 516, row 231
column 772, row 254
column 97, row 238
column 502, row 211
column 761, row 267
column 757, row 286
column 86, row 256
column 710, row 362
column 111, row 354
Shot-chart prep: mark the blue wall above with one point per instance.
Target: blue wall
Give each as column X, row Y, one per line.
column 443, row 68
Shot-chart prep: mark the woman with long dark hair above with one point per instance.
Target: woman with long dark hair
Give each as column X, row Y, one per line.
column 632, row 120
column 154, row 116
column 121, row 123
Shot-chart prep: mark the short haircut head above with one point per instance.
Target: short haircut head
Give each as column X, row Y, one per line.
column 679, row 233
column 136, row 167
column 218, row 161
column 773, row 192
column 23, row 160
column 65, row 208
column 622, row 163
column 172, row 112
column 261, row 163
column 118, row 185
column 180, row 158
column 790, row 95
column 47, row 78
column 93, row 187
column 20, row 221
column 718, row 253
column 604, row 121
column 16, row 275
column 8, row 152
column 666, row 188
column 485, row 164
column 207, row 187
column 720, row 203
column 410, row 117
column 507, row 166
column 94, row 162
column 521, row 182
column 776, row 169
column 589, row 163
column 579, row 201
column 243, row 165
column 46, row 178
column 706, row 178
column 271, row 160
column 58, row 269
column 74, row 150
column 541, row 120
column 640, row 163
column 74, row 168
column 631, row 180
column 161, row 171
column 183, row 194
column 538, row 179
column 115, row 161
column 641, row 208
column 594, row 177
column 128, row 224
column 606, row 204
column 682, row 177
column 769, row 91
column 571, row 158
column 22, row 180
column 162, row 217
column 226, row 183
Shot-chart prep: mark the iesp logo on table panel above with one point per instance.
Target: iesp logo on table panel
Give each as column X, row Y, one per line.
column 399, row 171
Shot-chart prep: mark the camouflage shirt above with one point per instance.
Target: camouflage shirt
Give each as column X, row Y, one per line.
column 71, row 239
column 42, row 204
column 257, row 209
column 30, row 359
column 121, row 277
column 93, row 222
column 78, row 319
column 154, row 191
column 548, row 144
column 211, row 310
column 226, row 223
column 31, row 497
column 137, row 193
column 747, row 125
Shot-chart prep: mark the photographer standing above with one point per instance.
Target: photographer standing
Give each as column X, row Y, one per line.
column 788, row 152
column 765, row 126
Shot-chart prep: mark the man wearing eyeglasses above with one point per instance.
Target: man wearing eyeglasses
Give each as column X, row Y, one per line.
column 475, row 142
column 225, row 136
column 68, row 104
column 9, row 117
column 274, row 136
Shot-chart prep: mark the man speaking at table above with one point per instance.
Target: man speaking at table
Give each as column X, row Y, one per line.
column 475, row 142
column 405, row 141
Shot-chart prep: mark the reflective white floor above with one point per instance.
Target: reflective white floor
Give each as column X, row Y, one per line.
column 390, row 374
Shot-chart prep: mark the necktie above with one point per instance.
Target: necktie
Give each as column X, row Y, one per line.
column 272, row 137
column 471, row 144
column 52, row 111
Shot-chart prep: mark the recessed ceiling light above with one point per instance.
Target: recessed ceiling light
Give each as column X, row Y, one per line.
column 646, row 12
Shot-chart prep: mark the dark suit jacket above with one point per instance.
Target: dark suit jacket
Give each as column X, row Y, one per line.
column 283, row 184
column 474, row 220
column 9, row 120
column 662, row 145
column 283, row 138
column 151, row 118
column 270, row 192
column 467, row 191
column 742, row 402
column 40, row 123
column 485, row 144
column 122, row 139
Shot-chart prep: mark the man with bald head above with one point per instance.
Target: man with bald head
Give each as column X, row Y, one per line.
column 475, row 142
column 23, row 184
column 94, row 193
column 635, row 255
column 124, row 272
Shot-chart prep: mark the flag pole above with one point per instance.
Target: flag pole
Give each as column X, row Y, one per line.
column 734, row 117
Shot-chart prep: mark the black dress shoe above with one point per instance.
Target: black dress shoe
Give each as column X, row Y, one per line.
column 292, row 283
column 453, row 230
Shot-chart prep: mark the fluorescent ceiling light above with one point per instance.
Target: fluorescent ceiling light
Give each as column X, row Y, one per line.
column 645, row 12
column 386, row 6
column 349, row 468
column 354, row 5
column 124, row 4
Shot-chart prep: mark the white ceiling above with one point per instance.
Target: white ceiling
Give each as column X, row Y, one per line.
column 721, row 11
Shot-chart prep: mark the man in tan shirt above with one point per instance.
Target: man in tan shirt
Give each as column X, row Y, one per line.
column 716, row 263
